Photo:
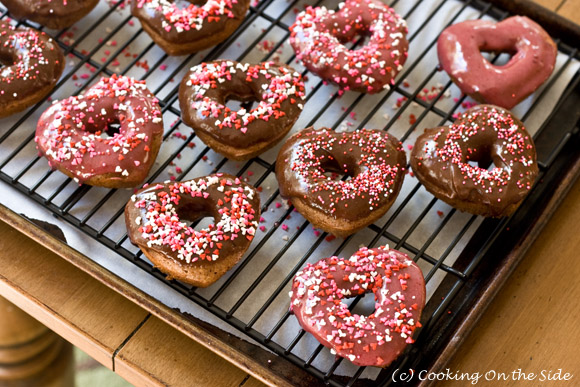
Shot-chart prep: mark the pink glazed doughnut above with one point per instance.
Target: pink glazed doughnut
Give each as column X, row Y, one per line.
column 318, row 37
column 533, row 58
column 71, row 133
column 318, row 294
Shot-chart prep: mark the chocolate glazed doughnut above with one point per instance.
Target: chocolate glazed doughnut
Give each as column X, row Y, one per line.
column 56, row 14
column 71, row 133
column 373, row 159
column 318, row 37
column 242, row 134
column 200, row 25
column 318, row 294
column 155, row 222
column 31, row 63
column 533, row 58
column 483, row 134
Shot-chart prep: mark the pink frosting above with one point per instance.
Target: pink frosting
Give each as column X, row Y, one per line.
column 533, row 58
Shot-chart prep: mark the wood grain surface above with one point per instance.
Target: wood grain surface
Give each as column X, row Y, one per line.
column 67, row 300
column 532, row 324
column 138, row 361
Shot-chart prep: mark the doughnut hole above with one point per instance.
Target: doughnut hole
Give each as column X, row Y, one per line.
column 245, row 97
column 333, row 171
column 482, row 157
column 235, row 103
column 183, row 4
column 5, row 61
column 112, row 129
column 364, row 307
column 502, row 59
column 196, row 215
column 351, row 35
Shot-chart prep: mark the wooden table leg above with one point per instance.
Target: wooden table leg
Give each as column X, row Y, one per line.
column 30, row 353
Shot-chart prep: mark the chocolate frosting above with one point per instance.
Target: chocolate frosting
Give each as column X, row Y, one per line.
column 373, row 158
column 32, row 61
column 483, row 134
column 155, row 218
column 318, row 37
column 181, row 22
column 319, row 291
column 69, row 132
column 206, row 88
column 40, row 10
column 533, row 58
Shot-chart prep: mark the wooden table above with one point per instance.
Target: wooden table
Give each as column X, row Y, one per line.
column 532, row 324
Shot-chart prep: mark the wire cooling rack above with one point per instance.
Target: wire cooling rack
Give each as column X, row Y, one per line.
column 252, row 298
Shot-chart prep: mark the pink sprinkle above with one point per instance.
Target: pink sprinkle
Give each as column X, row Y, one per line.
column 163, row 67
column 278, row 205
column 284, row 227
column 262, row 228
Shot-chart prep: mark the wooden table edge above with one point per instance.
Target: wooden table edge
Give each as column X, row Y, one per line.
column 124, row 289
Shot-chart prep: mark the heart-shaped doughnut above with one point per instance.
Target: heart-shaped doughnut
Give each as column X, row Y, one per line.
column 33, row 63
column 483, row 134
column 319, row 36
column 155, row 218
column 55, row 14
column 319, row 291
column 374, row 161
column 76, row 134
column 245, row 133
column 184, row 27
column 533, row 58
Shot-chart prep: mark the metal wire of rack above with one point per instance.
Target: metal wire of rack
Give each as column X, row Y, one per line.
column 265, row 321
